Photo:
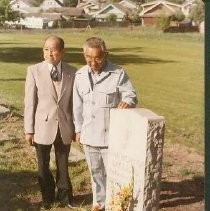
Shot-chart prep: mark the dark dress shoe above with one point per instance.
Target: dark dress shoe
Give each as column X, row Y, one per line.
column 71, row 206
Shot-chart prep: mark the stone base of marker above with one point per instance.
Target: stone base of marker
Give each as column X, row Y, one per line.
column 3, row 111
column 136, row 141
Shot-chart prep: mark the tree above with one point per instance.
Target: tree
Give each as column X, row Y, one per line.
column 71, row 3
column 136, row 18
column 112, row 18
column 178, row 16
column 6, row 13
column 197, row 12
column 164, row 22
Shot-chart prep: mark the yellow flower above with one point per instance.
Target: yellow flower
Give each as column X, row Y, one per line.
column 122, row 200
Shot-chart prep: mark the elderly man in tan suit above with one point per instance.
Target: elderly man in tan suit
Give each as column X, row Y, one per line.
column 48, row 119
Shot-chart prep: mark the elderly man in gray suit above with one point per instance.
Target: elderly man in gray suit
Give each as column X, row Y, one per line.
column 98, row 87
column 48, row 119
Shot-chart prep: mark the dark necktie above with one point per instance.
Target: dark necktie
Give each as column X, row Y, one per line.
column 54, row 73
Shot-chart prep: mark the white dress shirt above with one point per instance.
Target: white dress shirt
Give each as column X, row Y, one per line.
column 57, row 84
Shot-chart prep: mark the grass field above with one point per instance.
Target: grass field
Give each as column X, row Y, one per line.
column 166, row 70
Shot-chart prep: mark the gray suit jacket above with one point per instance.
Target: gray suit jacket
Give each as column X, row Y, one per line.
column 44, row 111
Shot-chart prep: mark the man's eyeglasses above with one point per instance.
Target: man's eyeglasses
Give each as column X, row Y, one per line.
column 95, row 59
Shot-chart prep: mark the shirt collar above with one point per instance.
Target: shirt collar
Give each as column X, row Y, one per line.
column 104, row 69
column 58, row 66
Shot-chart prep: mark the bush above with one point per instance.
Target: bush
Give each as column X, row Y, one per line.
column 112, row 18
column 178, row 29
column 178, row 16
column 163, row 22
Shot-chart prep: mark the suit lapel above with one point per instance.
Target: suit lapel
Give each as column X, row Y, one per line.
column 65, row 81
column 48, row 81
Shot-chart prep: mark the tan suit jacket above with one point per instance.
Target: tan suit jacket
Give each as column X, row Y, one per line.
column 44, row 110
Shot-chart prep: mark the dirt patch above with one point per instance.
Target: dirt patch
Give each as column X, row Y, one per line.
column 180, row 161
column 182, row 176
column 3, row 136
column 182, row 179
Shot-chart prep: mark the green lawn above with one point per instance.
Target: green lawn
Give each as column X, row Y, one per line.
column 166, row 70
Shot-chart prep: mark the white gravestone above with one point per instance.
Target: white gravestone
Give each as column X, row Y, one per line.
column 136, row 140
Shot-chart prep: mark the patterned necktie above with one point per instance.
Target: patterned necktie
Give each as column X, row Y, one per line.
column 54, row 73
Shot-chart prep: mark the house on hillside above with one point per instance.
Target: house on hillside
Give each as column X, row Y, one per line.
column 39, row 20
column 90, row 6
column 187, row 6
column 45, row 20
column 23, row 5
column 48, row 4
column 156, row 9
column 18, row 5
column 68, row 13
column 117, row 9
column 129, row 4
column 40, row 17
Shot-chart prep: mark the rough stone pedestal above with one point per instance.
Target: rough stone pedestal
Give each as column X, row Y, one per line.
column 136, row 140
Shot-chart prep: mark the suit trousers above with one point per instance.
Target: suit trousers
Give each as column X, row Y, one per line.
column 45, row 176
column 96, row 158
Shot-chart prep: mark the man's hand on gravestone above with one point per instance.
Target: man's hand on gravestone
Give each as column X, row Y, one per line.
column 123, row 105
column 74, row 137
column 77, row 138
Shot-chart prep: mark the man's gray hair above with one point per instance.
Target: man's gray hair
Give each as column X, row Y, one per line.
column 95, row 42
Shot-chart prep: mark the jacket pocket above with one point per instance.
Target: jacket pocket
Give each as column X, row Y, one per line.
column 41, row 117
column 86, row 95
column 107, row 98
